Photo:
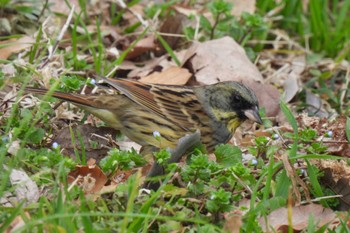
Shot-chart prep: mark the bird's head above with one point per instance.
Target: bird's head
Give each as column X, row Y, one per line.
column 231, row 103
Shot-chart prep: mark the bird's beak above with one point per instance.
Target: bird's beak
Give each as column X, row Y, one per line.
column 253, row 114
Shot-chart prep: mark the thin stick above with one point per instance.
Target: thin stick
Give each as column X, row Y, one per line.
column 59, row 38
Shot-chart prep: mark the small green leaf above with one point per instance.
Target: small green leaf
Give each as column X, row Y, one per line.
column 290, row 117
column 228, row 155
column 347, row 128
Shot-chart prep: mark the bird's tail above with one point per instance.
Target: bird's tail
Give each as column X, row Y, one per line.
column 73, row 98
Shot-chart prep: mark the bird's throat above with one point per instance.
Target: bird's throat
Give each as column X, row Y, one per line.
column 233, row 124
column 229, row 118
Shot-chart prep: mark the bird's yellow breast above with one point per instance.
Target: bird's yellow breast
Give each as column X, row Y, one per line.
column 229, row 118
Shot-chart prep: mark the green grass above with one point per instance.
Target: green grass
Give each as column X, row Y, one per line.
column 211, row 187
column 322, row 26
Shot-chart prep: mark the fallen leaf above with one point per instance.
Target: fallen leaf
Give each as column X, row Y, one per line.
column 136, row 70
column 171, row 76
column 277, row 221
column 268, row 96
column 89, row 178
column 127, row 144
column 314, row 105
column 13, row 45
column 122, row 176
column 144, row 45
column 220, row 60
column 291, row 87
column 25, row 188
column 240, row 6
column 233, row 221
column 292, row 84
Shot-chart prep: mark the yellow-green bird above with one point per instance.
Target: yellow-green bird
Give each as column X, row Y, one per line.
column 138, row 110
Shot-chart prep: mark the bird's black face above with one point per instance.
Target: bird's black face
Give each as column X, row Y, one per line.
column 232, row 100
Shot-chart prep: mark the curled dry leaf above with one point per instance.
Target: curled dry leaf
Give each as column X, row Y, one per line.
column 277, row 221
column 90, row 178
column 225, row 60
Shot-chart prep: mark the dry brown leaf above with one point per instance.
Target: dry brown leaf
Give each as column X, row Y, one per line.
column 268, row 96
column 278, row 219
column 292, row 84
column 14, row 46
column 90, row 178
column 240, row 6
column 171, row 76
column 315, row 106
column 220, row 60
column 233, row 221
column 122, row 176
column 127, row 144
column 139, row 70
column 144, row 45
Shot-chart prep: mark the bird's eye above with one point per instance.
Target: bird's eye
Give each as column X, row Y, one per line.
column 237, row 99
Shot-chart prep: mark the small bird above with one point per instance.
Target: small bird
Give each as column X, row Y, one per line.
column 138, row 110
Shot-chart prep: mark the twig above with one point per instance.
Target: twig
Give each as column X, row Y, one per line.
column 214, row 26
column 137, row 15
column 320, row 198
column 243, row 184
column 43, row 10
column 196, row 31
column 59, row 38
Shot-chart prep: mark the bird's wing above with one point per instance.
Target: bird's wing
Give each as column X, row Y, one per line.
column 178, row 104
